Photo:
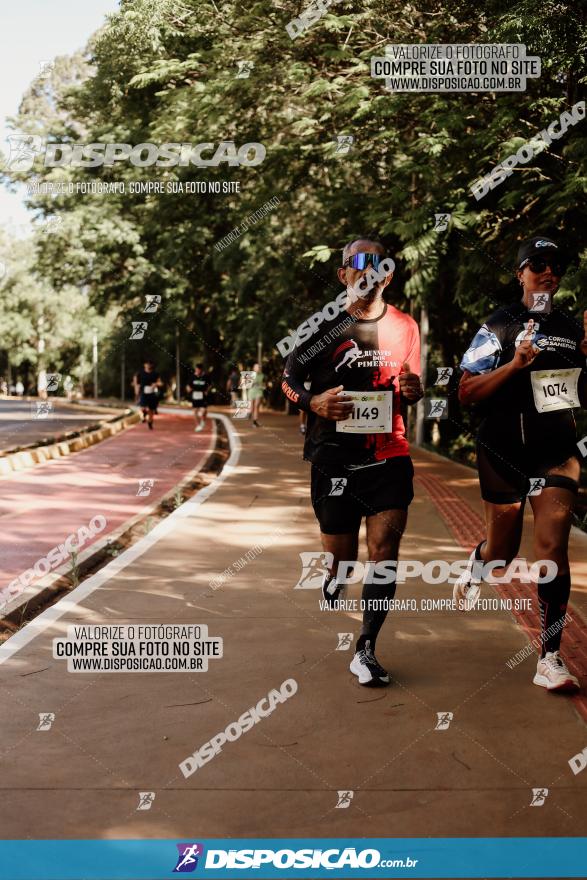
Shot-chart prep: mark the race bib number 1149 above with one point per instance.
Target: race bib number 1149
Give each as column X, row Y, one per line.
column 371, row 413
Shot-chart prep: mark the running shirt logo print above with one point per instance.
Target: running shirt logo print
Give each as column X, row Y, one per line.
column 351, row 352
column 538, row 339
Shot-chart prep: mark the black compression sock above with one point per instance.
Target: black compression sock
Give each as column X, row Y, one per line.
column 552, row 599
column 478, row 562
column 376, row 598
column 365, row 642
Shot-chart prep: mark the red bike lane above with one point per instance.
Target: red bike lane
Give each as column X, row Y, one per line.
column 112, row 481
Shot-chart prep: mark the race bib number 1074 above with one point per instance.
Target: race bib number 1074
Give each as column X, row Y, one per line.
column 555, row 389
column 371, row 413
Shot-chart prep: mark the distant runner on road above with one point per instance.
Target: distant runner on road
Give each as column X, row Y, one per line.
column 146, row 385
column 199, row 388
column 255, row 393
column 364, row 365
column 526, row 369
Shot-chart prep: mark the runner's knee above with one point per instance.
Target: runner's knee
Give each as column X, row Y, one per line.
column 383, row 550
column 550, row 548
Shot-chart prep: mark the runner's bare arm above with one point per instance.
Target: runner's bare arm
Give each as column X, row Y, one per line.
column 332, row 404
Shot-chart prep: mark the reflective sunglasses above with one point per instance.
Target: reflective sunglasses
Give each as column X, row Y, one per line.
column 361, row 260
column 539, row 264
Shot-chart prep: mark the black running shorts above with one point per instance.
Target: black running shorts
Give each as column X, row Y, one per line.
column 341, row 496
column 512, row 455
column 149, row 401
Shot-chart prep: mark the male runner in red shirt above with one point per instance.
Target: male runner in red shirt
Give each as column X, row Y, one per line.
column 361, row 463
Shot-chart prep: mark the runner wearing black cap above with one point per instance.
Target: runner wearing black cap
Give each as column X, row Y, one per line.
column 146, row 384
column 526, row 369
column 363, row 364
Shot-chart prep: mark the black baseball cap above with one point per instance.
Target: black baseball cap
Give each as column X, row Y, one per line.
column 538, row 246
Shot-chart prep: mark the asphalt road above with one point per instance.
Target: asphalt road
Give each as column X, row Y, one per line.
column 21, row 422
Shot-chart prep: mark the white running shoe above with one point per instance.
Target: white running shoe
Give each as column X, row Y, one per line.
column 198, row 428
column 552, row 674
column 365, row 666
column 467, row 588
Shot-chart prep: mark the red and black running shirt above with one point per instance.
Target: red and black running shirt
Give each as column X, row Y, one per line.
column 361, row 355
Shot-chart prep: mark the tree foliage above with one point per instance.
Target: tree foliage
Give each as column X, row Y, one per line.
column 161, row 71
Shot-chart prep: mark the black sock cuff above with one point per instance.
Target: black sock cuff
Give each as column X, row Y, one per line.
column 562, row 582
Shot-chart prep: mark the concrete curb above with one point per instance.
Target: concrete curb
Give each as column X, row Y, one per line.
column 29, row 457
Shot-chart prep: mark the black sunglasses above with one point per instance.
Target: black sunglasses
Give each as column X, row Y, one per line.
column 539, row 264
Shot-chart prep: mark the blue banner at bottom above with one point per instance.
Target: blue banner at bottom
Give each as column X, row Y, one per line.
column 270, row 859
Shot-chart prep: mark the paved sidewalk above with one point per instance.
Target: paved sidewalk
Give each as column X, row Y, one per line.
column 115, row 735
